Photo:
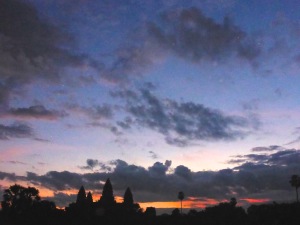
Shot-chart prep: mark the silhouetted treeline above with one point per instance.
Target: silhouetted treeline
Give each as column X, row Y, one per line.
column 23, row 206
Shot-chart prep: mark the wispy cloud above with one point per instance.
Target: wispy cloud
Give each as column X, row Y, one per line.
column 278, row 157
column 16, row 130
column 34, row 112
column 180, row 122
column 185, row 33
column 33, row 48
column 94, row 113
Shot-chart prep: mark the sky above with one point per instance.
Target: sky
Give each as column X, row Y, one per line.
column 159, row 96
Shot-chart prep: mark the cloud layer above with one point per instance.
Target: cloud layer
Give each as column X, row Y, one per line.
column 33, row 49
column 16, row 130
column 35, row 112
column 181, row 123
column 258, row 176
column 186, row 33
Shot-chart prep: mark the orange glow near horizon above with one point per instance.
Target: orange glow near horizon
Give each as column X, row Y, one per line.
column 255, row 200
column 190, row 203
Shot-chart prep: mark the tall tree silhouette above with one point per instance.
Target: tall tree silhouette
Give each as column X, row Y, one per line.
column 107, row 199
column 81, row 196
column 18, row 198
column 180, row 197
column 295, row 182
column 128, row 198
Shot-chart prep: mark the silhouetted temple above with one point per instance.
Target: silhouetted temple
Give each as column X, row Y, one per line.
column 107, row 199
column 85, row 208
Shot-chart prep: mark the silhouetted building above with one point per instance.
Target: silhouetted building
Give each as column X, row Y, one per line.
column 89, row 199
column 107, row 199
column 128, row 198
column 81, row 196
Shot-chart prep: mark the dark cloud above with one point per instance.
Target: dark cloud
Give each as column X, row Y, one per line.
column 16, row 162
column 9, row 176
column 193, row 36
column 16, row 130
column 33, row 49
column 126, row 123
column 92, row 162
column 158, row 169
column 180, row 122
column 256, row 177
column 132, row 61
column 31, row 46
column 168, row 163
column 104, row 111
column 41, row 140
column 281, row 157
column 153, row 155
column 186, row 33
column 95, row 165
column 270, row 148
column 61, row 199
column 293, row 141
column 182, row 171
column 96, row 112
column 58, row 180
column 35, row 112
column 4, row 96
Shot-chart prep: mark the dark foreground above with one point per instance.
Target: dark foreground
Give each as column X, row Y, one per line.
column 222, row 214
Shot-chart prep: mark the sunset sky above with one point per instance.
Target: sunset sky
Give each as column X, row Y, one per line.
column 161, row 96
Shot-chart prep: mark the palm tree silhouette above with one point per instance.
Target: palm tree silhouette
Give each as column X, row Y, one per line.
column 180, row 197
column 295, row 182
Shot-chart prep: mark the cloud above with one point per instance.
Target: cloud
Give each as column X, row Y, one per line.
column 256, row 177
column 58, row 180
column 32, row 46
column 281, row 157
column 16, row 162
column 159, row 169
column 60, row 199
column 9, row 176
column 182, row 171
column 180, row 122
column 35, row 112
column 4, row 96
column 132, row 62
column 186, row 33
column 16, row 130
column 270, row 148
column 193, row 36
column 153, row 154
column 94, row 164
column 96, row 112
column 33, row 49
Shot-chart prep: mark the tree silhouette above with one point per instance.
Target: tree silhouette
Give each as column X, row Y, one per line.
column 107, row 199
column 180, row 197
column 233, row 202
column 18, row 198
column 150, row 212
column 295, row 182
column 175, row 212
